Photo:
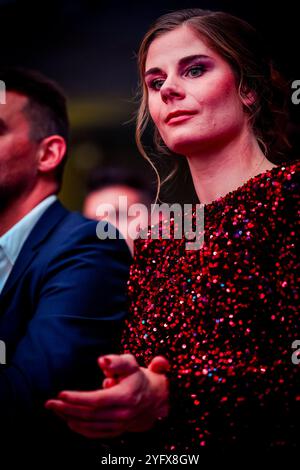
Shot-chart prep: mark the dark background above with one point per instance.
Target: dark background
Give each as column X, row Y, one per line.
column 89, row 47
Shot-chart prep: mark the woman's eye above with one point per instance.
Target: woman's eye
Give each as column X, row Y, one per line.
column 195, row 71
column 156, row 84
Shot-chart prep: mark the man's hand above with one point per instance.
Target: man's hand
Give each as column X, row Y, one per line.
column 132, row 400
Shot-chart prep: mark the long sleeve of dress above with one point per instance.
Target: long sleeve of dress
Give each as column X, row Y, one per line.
column 226, row 317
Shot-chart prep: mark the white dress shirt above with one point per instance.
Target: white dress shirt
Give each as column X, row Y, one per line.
column 12, row 241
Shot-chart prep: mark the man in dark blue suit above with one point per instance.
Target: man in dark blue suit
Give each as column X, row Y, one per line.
column 62, row 290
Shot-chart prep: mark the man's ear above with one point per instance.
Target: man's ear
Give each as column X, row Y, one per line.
column 50, row 153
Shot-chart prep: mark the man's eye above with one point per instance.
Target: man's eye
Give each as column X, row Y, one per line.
column 195, row 71
column 156, row 84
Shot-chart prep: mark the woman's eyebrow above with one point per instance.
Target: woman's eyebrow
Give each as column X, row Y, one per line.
column 182, row 62
column 152, row 71
column 191, row 58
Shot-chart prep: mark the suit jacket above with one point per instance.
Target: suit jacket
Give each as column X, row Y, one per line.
column 62, row 306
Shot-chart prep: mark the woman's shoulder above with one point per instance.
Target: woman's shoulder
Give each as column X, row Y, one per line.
column 284, row 181
column 278, row 192
column 288, row 171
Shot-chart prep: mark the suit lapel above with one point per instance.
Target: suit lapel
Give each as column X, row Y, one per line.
column 46, row 224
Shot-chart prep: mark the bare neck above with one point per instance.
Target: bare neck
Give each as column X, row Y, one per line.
column 218, row 171
column 18, row 208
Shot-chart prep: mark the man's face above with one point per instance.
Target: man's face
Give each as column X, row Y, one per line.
column 18, row 153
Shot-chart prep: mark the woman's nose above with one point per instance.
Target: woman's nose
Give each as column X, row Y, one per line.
column 171, row 90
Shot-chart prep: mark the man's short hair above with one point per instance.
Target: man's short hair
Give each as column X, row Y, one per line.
column 46, row 109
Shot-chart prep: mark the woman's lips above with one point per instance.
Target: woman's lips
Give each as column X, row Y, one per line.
column 179, row 116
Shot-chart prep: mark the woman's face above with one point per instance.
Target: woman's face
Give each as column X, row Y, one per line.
column 192, row 93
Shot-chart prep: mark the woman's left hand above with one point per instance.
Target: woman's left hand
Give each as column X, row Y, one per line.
column 132, row 400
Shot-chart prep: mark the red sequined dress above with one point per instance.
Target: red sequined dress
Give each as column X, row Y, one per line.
column 226, row 316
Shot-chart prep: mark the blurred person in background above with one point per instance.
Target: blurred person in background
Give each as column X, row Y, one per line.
column 105, row 186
